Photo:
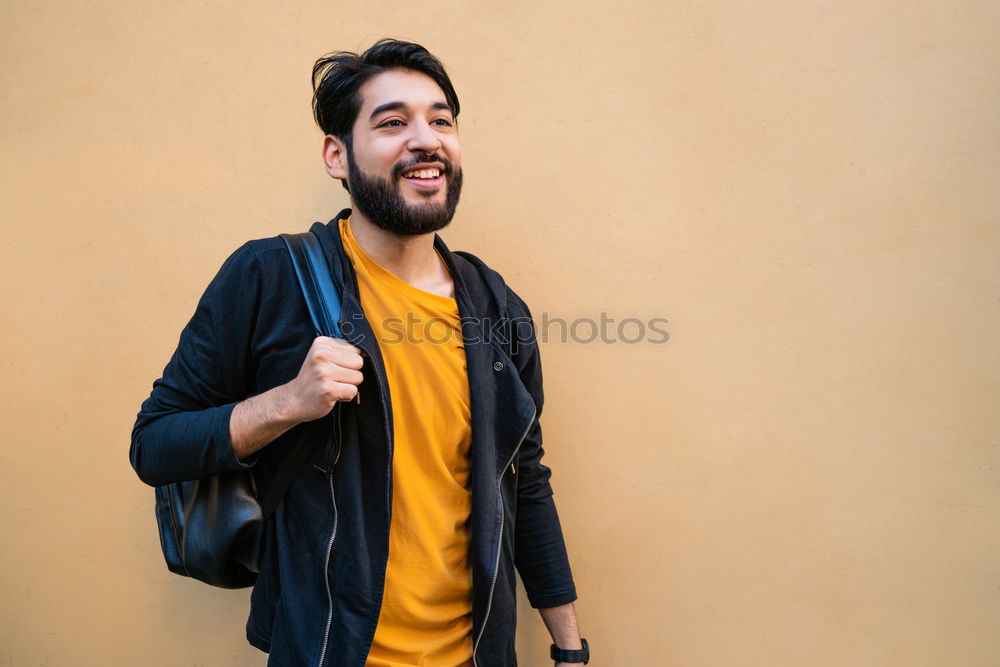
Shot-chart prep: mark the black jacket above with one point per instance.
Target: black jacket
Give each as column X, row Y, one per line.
column 316, row 601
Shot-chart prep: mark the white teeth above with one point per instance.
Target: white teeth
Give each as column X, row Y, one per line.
column 423, row 173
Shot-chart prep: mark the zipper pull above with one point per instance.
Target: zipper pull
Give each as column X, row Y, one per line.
column 513, row 470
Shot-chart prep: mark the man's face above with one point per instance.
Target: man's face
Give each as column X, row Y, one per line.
column 404, row 163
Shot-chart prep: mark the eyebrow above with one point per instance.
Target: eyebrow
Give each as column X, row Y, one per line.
column 397, row 105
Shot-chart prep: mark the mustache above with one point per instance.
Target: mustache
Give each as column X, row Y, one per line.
column 428, row 159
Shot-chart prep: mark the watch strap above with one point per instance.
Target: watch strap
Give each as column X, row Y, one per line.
column 575, row 656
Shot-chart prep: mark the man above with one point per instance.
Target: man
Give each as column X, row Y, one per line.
column 397, row 541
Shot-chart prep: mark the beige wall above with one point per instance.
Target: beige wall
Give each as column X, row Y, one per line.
column 805, row 474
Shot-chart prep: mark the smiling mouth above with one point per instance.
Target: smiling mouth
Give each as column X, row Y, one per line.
column 428, row 174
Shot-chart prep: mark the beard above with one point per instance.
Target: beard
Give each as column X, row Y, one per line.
column 380, row 201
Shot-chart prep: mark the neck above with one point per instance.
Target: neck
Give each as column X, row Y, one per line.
column 409, row 258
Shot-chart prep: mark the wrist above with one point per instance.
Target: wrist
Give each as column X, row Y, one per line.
column 286, row 409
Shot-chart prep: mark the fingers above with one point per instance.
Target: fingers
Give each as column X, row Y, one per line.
column 336, row 351
column 345, row 375
column 340, row 366
column 331, row 372
column 336, row 342
column 339, row 391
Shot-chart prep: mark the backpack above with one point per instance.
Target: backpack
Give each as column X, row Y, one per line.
column 212, row 529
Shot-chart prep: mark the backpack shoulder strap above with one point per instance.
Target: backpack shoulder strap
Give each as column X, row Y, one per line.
column 323, row 302
column 313, row 272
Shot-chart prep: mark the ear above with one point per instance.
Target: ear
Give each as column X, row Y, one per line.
column 335, row 157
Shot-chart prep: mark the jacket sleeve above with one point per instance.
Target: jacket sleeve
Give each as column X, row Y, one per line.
column 540, row 551
column 182, row 429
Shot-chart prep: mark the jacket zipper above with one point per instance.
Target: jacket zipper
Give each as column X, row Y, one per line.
column 496, row 566
column 329, row 596
column 329, row 549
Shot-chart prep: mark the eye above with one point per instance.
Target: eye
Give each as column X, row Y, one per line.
column 394, row 122
column 443, row 122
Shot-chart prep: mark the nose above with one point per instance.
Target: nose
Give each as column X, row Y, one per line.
column 423, row 139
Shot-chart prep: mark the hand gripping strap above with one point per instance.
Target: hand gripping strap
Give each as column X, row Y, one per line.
column 323, row 301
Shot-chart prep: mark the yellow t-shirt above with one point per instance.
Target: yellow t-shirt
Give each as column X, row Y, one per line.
column 426, row 616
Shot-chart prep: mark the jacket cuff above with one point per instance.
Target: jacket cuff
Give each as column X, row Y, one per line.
column 553, row 599
column 224, row 444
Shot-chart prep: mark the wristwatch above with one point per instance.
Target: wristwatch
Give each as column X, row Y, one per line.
column 562, row 655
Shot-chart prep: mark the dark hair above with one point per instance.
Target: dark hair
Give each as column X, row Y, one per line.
column 336, row 78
